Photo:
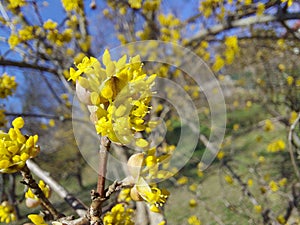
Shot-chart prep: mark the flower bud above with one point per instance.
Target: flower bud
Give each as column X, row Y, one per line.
column 134, row 164
column 134, row 194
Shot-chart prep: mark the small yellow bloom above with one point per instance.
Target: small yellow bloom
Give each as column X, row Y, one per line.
column 193, row 220
column 52, row 123
column 260, row 9
column 250, row 182
column 135, row 4
column 7, row 213
column 273, row 186
column 49, row 25
column 182, row 180
column 281, row 219
column 293, row 117
column 193, row 203
column 37, row 219
column 228, row 179
column 290, row 80
column 193, row 187
column 258, row 208
column 276, row 145
column 269, row 126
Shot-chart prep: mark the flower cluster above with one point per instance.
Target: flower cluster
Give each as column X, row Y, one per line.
column 70, row 5
column 275, row 146
column 32, row 200
column 7, row 212
column 119, row 215
column 7, row 85
column 118, row 96
column 15, row 148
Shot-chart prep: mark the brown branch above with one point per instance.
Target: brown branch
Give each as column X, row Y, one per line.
column 103, row 154
column 36, row 190
column 48, row 116
column 290, row 140
column 218, row 28
column 75, row 203
column 5, row 62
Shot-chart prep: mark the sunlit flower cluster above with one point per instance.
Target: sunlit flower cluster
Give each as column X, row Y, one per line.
column 276, row 145
column 118, row 96
column 193, row 220
column 135, row 4
column 16, row 148
column 16, row 3
column 7, row 85
column 119, row 215
column 7, row 212
column 70, row 5
column 168, row 27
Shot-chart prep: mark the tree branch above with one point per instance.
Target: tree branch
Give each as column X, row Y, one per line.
column 76, row 204
column 242, row 23
column 290, row 139
column 5, row 62
column 31, row 183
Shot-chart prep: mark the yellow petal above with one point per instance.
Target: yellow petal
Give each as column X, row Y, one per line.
column 106, row 57
column 141, row 143
column 18, row 123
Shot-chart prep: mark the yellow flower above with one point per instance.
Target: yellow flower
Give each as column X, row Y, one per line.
column 269, row 126
column 135, row 4
column 15, row 148
column 52, row 123
column 49, row 25
column 193, row 203
column 70, row 5
column 7, row 212
column 275, row 146
column 13, row 41
column 37, row 219
column 258, row 208
column 228, row 179
column 282, row 182
column 273, row 186
column 121, row 95
column 119, row 215
column 281, row 219
column 250, row 182
column 260, row 9
column 236, row 127
column 16, row 3
column 219, row 63
column 45, row 188
column 182, row 180
column 193, row 187
column 193, row 220
column 289, row 2
column 289, row 80
column 26, row 33
column 220, row 155
column 7, row 85
column 293, row 117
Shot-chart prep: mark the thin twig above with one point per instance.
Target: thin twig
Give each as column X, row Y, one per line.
column 103, row 154
column 31, row 183
column 75, row 203
column 290, row 140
